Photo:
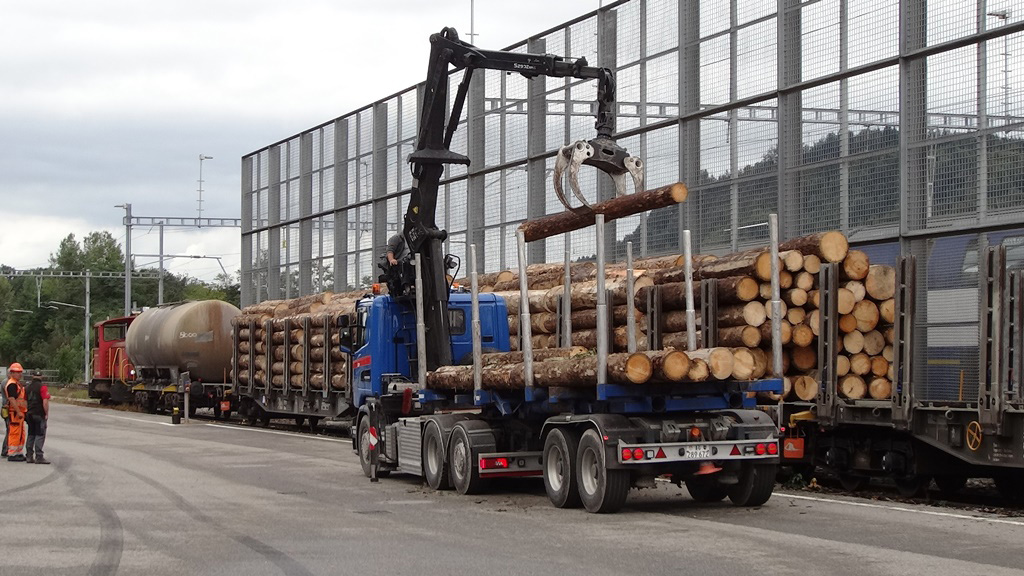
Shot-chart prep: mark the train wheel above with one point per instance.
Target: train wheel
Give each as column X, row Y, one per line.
column 152, row 403
column 251, row 411
column 314, row 421
column 852, row 482
column 1011, row 486
column 950, row 485
column 264, row 418
column 912, row 486
column 299, row 421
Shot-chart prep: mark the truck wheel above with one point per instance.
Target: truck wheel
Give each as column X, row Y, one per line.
column 601, row 490
column 464, row 475
column 364, row 449
column 560, row 480
column 706, row 489
column 755, row 486
column 434, row 469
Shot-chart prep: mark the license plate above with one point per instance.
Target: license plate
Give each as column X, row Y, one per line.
column 697, row 451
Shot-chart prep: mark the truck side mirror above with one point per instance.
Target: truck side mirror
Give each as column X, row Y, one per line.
column 343, row 321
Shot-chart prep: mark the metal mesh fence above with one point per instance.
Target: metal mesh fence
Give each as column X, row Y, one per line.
column 885, row 119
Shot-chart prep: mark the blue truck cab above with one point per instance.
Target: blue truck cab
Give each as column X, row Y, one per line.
column 384, row 339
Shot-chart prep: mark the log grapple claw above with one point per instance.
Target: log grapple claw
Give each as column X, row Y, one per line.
column 605, row 155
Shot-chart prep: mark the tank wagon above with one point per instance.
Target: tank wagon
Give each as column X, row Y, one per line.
column 181, row 348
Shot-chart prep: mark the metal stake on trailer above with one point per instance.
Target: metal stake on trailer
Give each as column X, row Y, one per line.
column 602, row 305
column 525, row 332
column 630, row 317
column 691, row 314
column 475, row 321
column 773, row 231
column 567, row 297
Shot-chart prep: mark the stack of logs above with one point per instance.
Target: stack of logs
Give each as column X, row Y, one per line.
column 864, row 302
column 267, row 355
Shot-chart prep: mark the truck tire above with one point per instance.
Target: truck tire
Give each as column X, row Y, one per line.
column 364, row 450
column 602, row 490
column 755, row 486
column 560, row 480
column 465, row 476
column 706, row 489
column 435, row 469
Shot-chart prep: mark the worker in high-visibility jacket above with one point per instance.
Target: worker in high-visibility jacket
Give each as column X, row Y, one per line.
column 17, row 406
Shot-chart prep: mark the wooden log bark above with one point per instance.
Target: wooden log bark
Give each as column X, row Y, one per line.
column 887, row 353
column 761, row 361
column 731, row 290
column 718, row 360
column 812, row 263
column 742, row 364
column 880, row 283
column 887, row 310
column 619, row 207
column 785, row 333
column 830, row 246
column 804, row 281
column 699, row 370
column 747, row 336
column 584, row 294
column 814, row 321
column 756, row 263
column 795, row 297
column 785, row 280
column 669, row 365
column 852, row 386
column 845, row 301
column 536, row 298
column 749, row 314
column 879, row 366
column 493, row 358
column 793, row 260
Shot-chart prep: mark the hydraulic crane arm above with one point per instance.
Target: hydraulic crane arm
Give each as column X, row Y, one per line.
column 433, row 151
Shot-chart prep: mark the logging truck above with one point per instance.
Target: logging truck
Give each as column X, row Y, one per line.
column 438, row 393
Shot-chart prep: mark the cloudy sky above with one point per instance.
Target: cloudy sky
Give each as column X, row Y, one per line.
column 111, row 101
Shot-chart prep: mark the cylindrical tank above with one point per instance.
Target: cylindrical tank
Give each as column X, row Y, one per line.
column 191, row 336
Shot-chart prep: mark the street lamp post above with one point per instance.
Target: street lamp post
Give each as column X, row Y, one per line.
column 201, row 158
column 127, row 257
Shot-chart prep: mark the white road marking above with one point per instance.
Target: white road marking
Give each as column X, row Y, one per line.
column 139, row 420
column 296, row 435
column 903, row 509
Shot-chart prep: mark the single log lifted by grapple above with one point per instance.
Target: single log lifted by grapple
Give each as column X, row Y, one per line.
column 615, row 208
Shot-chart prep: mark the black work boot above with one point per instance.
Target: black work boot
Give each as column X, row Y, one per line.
column 41, row 460
column 30, row 459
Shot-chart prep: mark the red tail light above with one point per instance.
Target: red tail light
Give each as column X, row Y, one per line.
column 773, row 448
column 760, row 449
column 627, row 454
column 493, row 463
column 638, row 454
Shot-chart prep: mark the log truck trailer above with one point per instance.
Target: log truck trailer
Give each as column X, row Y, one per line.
column 591, row 445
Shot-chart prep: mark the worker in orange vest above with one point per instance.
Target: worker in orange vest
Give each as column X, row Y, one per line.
column 17, row 406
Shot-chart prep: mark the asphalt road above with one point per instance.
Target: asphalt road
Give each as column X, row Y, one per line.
column 130, row 494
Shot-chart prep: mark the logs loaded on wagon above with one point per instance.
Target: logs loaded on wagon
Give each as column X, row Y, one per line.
column 296, row 352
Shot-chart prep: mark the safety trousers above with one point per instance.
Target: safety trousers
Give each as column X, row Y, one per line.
column 16, row 436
